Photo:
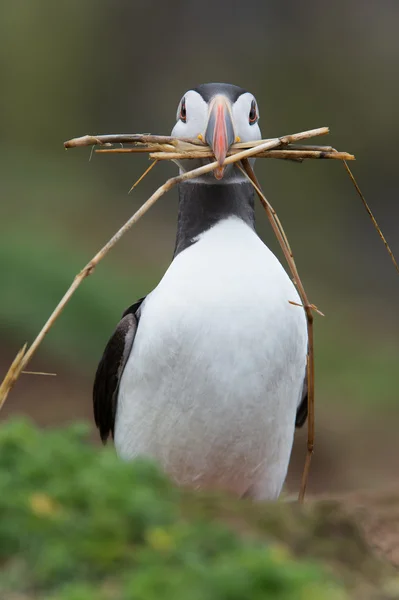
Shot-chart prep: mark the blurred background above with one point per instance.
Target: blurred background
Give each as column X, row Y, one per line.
column 70, row 68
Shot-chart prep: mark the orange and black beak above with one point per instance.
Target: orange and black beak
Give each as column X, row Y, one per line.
column 219, row 134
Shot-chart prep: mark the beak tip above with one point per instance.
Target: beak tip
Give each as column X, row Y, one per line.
column 219, row 172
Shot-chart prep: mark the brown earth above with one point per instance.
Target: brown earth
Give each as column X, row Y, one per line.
column 378, row 516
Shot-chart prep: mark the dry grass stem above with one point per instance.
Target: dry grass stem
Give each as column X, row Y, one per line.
column 312, row 306
column 282, row 239
column 11, row 375
column 148, row 140
column 298, row 155
column 38, row 373
column 368, row 209
column 152, row 165
column 127, row 138
column 170, row 148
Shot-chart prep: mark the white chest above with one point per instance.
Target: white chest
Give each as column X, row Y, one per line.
column 216, row 370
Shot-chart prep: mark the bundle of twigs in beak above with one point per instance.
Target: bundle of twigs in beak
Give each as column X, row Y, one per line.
column 161, row 147
column 179, row 149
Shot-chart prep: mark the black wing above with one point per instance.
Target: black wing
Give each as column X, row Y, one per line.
column 110, row 369
column 302, row 412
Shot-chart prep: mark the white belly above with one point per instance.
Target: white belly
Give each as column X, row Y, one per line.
column 215, row 375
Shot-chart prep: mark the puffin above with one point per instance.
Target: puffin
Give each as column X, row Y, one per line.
column 206, row 375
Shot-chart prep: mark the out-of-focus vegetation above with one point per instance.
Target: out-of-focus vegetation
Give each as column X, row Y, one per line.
column 78, row 524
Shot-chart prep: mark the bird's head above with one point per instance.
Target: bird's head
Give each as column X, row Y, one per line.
column 220, row 114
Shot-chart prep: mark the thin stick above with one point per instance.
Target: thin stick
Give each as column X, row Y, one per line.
column 136, row 149
column 137, row 138
column 287, row 139
column 368, row 209
column 282, row 239
column 283, row 154
column 11, row 375
column 312, row 306
column 152, row 165
column 311, row 147
column 126, row 138
column 38, row 373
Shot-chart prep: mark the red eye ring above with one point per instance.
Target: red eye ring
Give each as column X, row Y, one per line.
column 253, row 113
column 183, row 113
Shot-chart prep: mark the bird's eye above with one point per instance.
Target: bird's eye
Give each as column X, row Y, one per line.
column 183, row 114
column 253, row 113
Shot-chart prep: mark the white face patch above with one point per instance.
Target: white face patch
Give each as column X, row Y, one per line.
column 241, row 109
column 197, row 117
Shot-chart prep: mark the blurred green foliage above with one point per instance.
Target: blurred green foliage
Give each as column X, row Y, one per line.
column 79, row 524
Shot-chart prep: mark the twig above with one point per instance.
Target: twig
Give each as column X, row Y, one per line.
column 38, row 373
column 152, row 165
column 282, row 239
column 311, row 147
column 148, row 140
column 126, row 138
column 171, row 148
column 140, row 149
column 312, row 306
column 11, row 375
column 368, row 209
column 283, row 154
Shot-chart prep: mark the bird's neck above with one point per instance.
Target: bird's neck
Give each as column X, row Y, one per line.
column 202, row 205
